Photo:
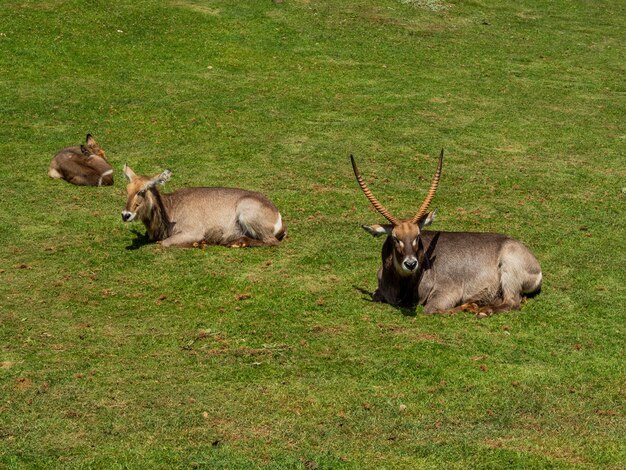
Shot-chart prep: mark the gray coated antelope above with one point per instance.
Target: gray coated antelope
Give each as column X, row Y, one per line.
column 83, row 165
column 193, row 216
column 449, row 271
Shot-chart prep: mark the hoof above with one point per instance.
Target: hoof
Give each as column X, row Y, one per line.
column 484, row 312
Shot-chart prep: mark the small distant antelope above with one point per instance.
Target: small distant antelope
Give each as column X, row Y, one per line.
column 194, row 216
column 84, row 165
column 449, row 271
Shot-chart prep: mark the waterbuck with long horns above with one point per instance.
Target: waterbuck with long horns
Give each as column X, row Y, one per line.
column 84, row 165
column 194, row 216
column 449, row 271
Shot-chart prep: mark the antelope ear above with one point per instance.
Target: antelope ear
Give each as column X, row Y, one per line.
column 378, row 230
column 90, row 140
column 161, row 179
column 128, row 173
column 427, row 219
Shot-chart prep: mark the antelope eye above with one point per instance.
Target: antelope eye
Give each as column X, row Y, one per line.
column 141, row 193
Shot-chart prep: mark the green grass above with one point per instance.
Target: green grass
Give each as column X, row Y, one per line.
column 128, row 358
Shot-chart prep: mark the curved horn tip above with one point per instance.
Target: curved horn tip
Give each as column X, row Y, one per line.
column 355, row 169
column 352, row 161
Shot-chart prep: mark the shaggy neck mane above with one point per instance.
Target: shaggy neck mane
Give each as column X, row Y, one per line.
column 156, row 220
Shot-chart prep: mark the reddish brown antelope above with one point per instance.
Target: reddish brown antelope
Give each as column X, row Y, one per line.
column 84, row 165
column 449, row 271
column 193, row 216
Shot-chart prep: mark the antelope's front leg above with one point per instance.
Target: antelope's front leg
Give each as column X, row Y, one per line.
column 384, row 293
column 247, row 241
column 445, row 301
column 378, row 297
column 181, row 240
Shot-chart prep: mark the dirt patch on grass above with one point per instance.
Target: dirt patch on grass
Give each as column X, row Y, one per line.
column 245, row 351
column 424, row 29
column 23, row 383
column 328, row 330
column 432, row 5
column 563, row 454
column 409, row 333
column 40, row 5
column 196, row 8
column 216, row 344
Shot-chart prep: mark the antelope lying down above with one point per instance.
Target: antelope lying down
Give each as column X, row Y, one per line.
column 84, row 165
column 191, row 216
column 449, row 271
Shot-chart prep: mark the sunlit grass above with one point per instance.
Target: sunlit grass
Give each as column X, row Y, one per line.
column 117, row 353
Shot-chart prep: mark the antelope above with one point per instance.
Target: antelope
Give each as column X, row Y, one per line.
column 84, row 165
column 449, row 271
column 189, row 217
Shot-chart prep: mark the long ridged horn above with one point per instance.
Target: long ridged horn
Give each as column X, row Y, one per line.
column 431, row 192
column 377, row 205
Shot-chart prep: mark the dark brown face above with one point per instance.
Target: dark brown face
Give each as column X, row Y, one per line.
column 407, row 248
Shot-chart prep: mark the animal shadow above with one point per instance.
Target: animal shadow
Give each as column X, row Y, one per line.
column 365, row 292
column 140, row 240
column 406, row 310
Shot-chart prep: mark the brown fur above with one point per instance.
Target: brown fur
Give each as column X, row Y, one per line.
column 449, row 271
column 202, row 216
column 84, row 165
column 480, row 272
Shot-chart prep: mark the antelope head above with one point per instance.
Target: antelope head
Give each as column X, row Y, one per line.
column 91, row 148
column 403, row 234
column 140, row 199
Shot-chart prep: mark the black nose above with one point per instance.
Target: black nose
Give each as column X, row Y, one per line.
column 410, row 265
column 125, row 216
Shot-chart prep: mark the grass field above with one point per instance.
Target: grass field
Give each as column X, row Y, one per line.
column 120, row 354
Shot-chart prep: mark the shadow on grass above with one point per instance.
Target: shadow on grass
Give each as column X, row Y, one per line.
column 140, row 240
column 407, row 311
